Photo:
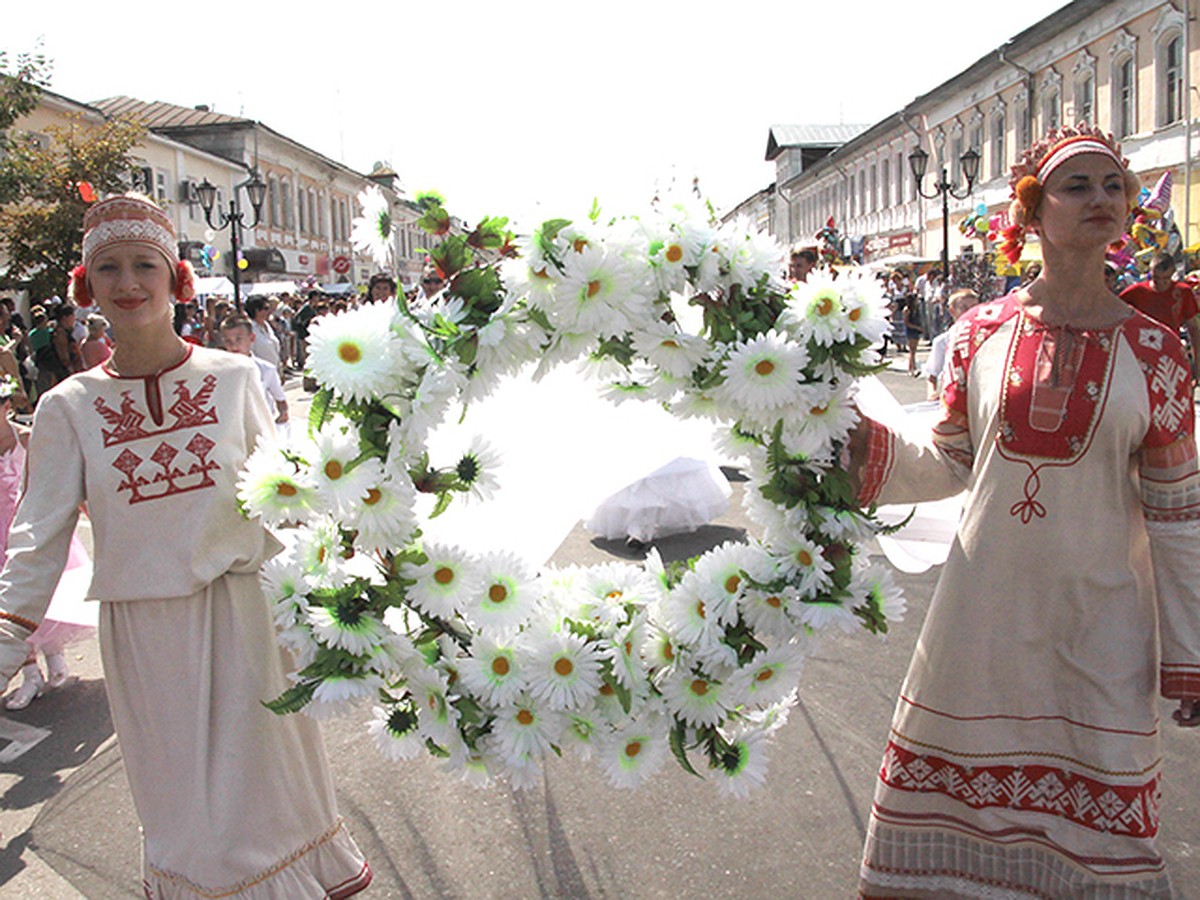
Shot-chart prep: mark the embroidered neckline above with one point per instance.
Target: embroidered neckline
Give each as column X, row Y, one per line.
column 111, row 373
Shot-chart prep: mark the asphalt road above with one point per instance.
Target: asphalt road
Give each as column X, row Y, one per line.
column 69, row 830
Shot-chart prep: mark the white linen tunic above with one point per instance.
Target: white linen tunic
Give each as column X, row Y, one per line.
column 234, row 801
column 1023, row 758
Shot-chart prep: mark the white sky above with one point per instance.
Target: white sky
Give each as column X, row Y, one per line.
column 526, row 108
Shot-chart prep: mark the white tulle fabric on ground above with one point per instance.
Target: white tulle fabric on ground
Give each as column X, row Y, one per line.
column 677, row 498
column 925, row 540
column 563, row 449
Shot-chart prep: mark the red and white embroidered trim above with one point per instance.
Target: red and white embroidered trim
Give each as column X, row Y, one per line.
column 1126, row 809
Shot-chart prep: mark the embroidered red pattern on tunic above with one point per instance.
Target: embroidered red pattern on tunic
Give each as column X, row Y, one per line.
column 160, row 475
column 1129, row 809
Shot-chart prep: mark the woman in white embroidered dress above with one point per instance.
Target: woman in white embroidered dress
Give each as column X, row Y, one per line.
column 234, row 801
column 1023, row 758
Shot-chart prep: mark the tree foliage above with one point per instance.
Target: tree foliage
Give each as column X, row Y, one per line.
column 44, row 190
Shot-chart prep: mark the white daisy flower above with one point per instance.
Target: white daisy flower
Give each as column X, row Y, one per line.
column 581, row 734
column 476, row 469
column 623, row 650
column 472, row 766
column 659, row 649
column 445, row 582
column 596, row 294
column 383, row 516
column 509, row 592
column 346, row 628
column 670, row 350
column 764, row 373
column 743, row 766
column 392, row 655
column 371, row 232
column 611, row 589
column 685, row 613
column 865, row 305
column 340, row 477
column 751, row 254
column 396, row 732
column 844, row 524
column 766, row 612
column 815, row 312
column 804, row 562
column 285, row 586
column 881, row 591
column 696, row 698
column 355, row 352
column 336, row 694
column 769, row 676
column 636, row 752
column 527, row 728
column 493, row 671
column 270, row 487
column 319, row 550
column 721, row 574
column 437, row 715
column 563, row 669
column 821, row 614
column 828, row 416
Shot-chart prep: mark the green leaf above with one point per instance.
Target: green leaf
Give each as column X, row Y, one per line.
column 293, row 699
column 319, row 410
column 677, row 740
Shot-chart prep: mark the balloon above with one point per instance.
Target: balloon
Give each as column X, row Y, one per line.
column 981, row 209
column 981, row 223
column 242, row 264
column 210, row 235
column 86, row 192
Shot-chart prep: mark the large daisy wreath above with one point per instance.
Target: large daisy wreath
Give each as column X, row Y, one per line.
column 487, row 662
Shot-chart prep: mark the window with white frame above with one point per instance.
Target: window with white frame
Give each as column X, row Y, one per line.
column 899, row 179
column 999, row 159
column 1085, row 98
column 1051, row 110
column 1170, row 78
column 874, row 188
column 273, row 202
column 1124, row 117
column 289, row 215
column 956, row 152
column 885, row 182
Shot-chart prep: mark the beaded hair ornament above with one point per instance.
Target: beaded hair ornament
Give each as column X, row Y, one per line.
column 129, row 219
column 1029, row 175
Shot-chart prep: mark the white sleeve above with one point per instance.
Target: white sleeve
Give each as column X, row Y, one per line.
column 40, row 538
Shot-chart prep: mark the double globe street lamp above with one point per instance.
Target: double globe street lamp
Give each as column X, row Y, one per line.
column 234, row 220
column 918, row 161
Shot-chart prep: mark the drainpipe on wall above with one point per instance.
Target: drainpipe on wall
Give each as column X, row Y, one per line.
column 921, row 223
column 1187, row 118
column 1028, row 92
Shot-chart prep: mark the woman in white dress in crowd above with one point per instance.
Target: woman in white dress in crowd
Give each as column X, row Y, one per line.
column 233, row 800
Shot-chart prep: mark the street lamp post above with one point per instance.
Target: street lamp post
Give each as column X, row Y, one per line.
column 234, row 220
column 917, row 161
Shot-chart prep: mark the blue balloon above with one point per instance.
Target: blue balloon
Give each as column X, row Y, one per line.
column 981, row 209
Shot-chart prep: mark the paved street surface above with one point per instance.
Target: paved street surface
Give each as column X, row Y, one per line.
column 69, row 829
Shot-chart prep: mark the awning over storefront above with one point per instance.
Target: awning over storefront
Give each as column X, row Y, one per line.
column 269, row 287
column 216, row 285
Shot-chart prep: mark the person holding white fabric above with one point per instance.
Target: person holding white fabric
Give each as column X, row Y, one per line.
column 233, row 800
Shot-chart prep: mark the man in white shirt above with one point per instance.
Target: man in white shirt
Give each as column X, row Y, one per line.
column 237, row 333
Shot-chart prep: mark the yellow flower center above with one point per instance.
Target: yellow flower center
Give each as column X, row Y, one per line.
column 804, row 558
column 699, row 687
column 700, row 609
column 633, row 748
column 732, row 583
column 765, row 675
column 629, row 648
column 671, row 344
column 579, row 244
column 855, row 314
column 320, row 554
column 444, row 575
column 614, row 595
column 374, row 495
column 286, row 489
column 350, row 353
column 593, row 289
column 541, row 273
column 668, row 651
column 818, row 410
column 333, row 470
column 563, row 667
column 825, row 306
column 674, row 253
column 500, row 666
column 525, row 717
column 764, row 367
column 774, row 602
column 607, row 689
column 497, row 593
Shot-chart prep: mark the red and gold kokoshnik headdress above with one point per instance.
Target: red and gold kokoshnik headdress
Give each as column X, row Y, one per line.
column 1036, row 165
column 128, row 219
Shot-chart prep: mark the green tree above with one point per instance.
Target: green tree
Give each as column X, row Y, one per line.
column 44, row 190
column 20, row 84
